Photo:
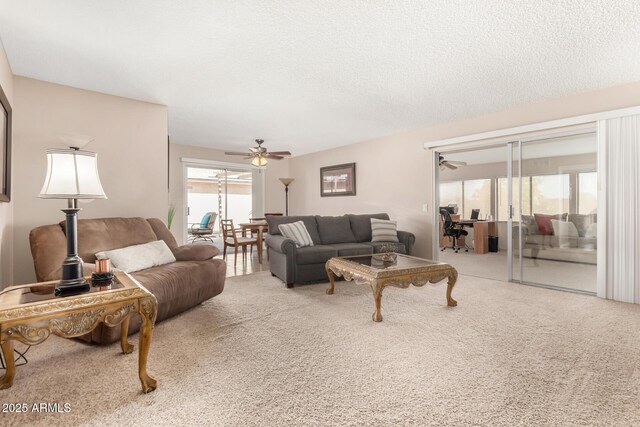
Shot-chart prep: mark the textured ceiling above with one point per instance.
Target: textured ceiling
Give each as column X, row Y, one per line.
column 311, row 75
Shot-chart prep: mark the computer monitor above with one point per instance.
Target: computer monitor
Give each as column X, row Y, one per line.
column 475, row 213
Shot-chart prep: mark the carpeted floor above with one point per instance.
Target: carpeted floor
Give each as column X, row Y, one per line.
column 569, row 275
column 261, row 354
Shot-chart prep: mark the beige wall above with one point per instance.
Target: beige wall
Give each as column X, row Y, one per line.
column 131, row 142
column 394, row 173
column 274, row 190
column 6, row 209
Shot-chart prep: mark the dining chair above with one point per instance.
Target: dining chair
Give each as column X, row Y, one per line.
column 232, row 239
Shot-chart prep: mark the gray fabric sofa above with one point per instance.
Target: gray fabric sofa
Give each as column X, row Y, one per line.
column 332, row 236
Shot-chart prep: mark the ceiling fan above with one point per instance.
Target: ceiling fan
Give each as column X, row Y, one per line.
column 259, row 154
column 451, row 164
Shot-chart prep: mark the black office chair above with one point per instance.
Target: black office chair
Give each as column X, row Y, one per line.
column 451, row 231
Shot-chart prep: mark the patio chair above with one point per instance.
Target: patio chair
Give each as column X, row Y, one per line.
column 203, row 230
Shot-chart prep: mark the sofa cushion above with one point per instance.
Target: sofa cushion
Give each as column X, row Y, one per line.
column 379, row 247
column 383, row 230
column 162, row 232
column 104, row 234
column 361, row 225
column 297, row 232
column 181, row 285
column 139, row 257
column 530, row 222
column 335, row 229
column 315, row 254
column 350, row 249
column 588, row 243
column 582, row 222
column 195, row 252
column 538, row 240
column 309, row 222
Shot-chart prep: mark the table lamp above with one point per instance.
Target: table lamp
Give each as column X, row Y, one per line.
column 286, row 182
column 72, row 174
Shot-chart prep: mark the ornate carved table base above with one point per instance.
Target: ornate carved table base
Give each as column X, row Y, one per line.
column 75, row 316
column 354, row 269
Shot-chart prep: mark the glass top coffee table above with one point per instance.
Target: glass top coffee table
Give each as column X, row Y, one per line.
column 382, row 270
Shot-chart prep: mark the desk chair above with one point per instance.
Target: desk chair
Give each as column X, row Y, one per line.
column 449, row 229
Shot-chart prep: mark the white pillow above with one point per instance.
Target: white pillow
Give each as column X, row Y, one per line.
column 592, row 231
column 564, row 228
column 297, row 232
column 139, row 257
column 383, row 230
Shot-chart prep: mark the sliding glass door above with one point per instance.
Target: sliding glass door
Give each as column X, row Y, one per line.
column 558, row 222
column 540, row 197
column 227, row 192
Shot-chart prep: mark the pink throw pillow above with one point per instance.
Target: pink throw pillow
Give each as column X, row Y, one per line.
column 544, row 223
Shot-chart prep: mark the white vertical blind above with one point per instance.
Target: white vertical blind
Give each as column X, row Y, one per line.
column 623, row 209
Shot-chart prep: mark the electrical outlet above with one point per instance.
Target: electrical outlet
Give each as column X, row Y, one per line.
column 425, row 207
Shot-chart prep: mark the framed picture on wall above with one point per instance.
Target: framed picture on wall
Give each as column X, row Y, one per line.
column 338, row 180
column 5, row 148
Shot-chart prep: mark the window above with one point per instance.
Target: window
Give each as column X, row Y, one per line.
column 468, row 195
column 587, row 192
column 550, row 194
column 543, row 194
column 477, row 195
column 451, row 193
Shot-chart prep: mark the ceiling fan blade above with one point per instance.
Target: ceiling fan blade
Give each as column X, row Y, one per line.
column 236, row 153
column 280, row 153
column 272, row 156
column 450, row 166
column 457, row 162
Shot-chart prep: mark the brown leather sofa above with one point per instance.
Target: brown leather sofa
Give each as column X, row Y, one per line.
column 193, row 278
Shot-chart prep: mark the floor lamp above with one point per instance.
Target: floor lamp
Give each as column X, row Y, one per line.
column 286, row 182
column 72, row 174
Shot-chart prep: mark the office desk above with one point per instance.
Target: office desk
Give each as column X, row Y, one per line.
column 481, row 232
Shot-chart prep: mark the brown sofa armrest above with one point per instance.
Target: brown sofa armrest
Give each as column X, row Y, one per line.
column 195, row 252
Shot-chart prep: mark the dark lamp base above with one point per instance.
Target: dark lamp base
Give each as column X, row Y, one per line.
column 74, row 288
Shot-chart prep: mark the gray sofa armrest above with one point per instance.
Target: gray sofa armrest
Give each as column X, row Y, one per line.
column 280, row 244
column 407, row 239
column 282, row 259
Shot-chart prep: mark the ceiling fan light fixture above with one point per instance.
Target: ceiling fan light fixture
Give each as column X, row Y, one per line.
column 259, row 161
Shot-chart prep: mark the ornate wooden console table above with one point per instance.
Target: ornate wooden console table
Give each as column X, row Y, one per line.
column 31, row 314
column 380, row 270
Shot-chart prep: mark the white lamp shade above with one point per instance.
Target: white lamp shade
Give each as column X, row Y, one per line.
column 286, row 181
column 259, row 161
column 72, row 174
